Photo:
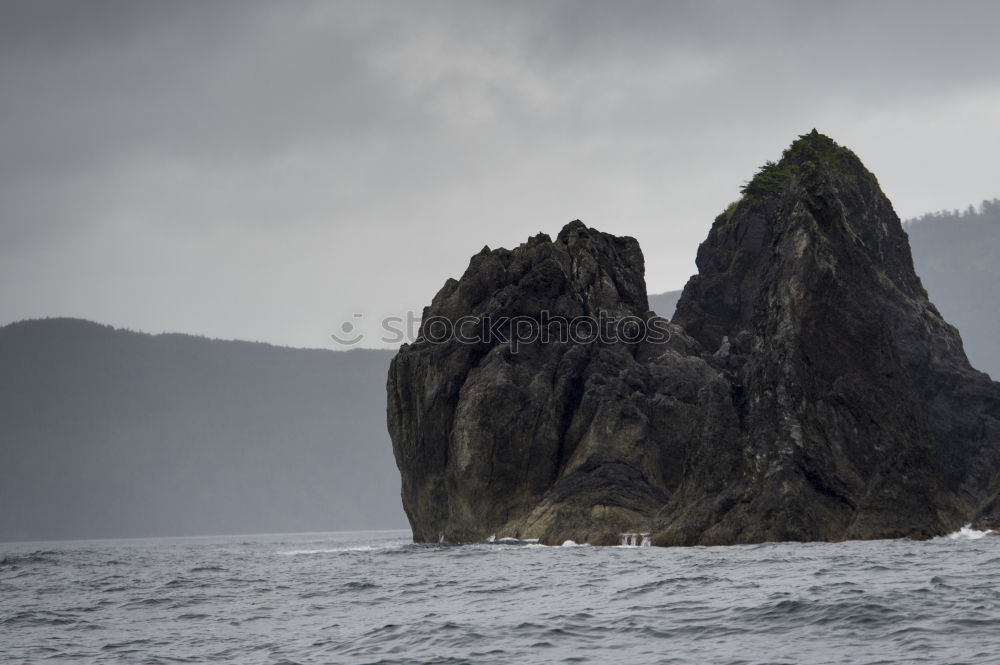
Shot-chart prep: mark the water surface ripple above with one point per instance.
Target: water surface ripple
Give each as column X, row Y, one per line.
column 375, row 598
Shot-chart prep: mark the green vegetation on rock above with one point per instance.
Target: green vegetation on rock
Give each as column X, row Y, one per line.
column 809, row 155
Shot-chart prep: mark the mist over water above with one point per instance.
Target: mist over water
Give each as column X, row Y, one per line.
column 373, row 597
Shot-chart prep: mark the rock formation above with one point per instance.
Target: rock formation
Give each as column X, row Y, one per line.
column 807, row 389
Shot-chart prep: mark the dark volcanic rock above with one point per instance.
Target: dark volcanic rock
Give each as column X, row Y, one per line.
column 810, row 391
column 862, row 417
column 547, row 439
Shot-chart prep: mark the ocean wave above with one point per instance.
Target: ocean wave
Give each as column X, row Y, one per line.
column 348, row 549
column 40, row 557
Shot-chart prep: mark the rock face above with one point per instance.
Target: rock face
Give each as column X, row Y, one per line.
column 807, row 389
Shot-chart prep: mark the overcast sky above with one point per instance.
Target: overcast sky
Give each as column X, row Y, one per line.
column 265, row 170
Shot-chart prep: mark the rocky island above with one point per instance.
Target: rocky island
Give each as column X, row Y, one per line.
column 806, row 388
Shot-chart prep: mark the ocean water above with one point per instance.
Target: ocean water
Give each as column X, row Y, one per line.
column 375, row 598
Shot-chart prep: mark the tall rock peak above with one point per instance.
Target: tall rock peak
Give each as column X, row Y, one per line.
column 807, row 389
column 815, row 212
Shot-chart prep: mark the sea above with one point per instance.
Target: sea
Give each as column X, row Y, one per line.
column 375, row 597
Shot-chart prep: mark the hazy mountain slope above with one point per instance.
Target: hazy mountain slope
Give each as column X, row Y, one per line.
column 956, row 256
column 106, row 432
column 664, row 304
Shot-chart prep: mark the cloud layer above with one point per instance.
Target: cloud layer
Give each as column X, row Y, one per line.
column 266, row 170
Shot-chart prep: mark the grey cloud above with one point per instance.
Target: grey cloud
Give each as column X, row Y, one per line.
column 301, row 160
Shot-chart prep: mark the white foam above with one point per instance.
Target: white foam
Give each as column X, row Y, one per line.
column 338, row 550
column 635, row 540
column 327, row 551
column 507, row 540
column 968, row 533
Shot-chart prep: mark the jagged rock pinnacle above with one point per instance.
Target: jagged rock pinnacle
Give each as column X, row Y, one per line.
column 807, row 389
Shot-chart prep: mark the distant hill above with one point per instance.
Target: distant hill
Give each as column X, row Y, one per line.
column 957, row 256
column 108, row 433
column 664, row 304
